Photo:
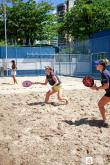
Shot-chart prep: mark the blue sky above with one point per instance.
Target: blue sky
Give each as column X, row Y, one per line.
column 55, row 2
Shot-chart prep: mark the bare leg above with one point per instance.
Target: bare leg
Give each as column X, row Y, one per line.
column 48, row 94
column 14, row 78
column 60, row 98
column 103, row 101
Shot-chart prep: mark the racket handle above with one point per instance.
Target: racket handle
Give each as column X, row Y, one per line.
column 34, row 82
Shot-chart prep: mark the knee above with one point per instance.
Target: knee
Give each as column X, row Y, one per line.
column 48, row 93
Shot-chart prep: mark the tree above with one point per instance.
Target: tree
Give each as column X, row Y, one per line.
column 1, row 21
column 86, row 18
column 29, row 21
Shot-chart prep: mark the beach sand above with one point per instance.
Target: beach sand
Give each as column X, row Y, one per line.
column 36, row 134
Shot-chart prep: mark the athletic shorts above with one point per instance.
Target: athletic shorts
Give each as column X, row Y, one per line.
column 13, row 73
column 56, row 88
column 107, row 94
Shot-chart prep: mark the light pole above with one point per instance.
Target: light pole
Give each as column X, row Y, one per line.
column 70, row 62
column 5, row 19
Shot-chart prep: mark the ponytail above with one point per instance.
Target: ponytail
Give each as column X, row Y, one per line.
column 106, row 61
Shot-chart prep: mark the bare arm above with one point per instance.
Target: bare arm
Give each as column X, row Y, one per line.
column 45, row 83
column 105, row 86
column 55, row 79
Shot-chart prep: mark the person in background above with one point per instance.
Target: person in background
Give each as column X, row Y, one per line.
column 13, row 71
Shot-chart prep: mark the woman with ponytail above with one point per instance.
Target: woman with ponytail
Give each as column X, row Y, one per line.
column 13, row 71
column 105, row 85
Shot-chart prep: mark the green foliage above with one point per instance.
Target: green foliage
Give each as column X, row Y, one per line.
column 2, row 43
column 29, row 21
column 85, row 18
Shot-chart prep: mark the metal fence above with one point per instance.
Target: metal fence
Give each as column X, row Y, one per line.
column 73, row 59
column 26, row 67
column 63, row 64
column 73, row 64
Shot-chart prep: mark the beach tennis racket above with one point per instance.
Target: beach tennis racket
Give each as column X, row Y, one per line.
column 27, row 83
column 88, row 81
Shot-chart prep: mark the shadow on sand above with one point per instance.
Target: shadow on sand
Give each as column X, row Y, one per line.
column 36, row 103
column 43, row 103
column 7, row 84
column 83, row 121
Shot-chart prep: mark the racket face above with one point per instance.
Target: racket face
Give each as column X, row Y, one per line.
column 27, row 83
column 88, row 81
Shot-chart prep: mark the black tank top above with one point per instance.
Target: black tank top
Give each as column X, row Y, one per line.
column 51, row 81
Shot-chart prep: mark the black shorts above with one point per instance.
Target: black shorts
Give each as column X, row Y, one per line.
column 107, row 94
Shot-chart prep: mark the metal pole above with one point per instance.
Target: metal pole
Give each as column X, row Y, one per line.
column 40, row 60
column 5, row 17
column 70, row 56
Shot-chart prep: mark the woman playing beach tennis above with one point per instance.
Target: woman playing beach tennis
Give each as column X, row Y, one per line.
column 55, row 82
column 105, row 85
column 13, row 71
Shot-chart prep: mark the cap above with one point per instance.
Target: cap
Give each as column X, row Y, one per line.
column 99, row 62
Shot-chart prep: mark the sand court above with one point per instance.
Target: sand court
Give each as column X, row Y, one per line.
column 32, row 134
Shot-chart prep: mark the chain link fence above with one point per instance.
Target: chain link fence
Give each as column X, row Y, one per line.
column 63, row 64
column 73, row 64
column 73, row 59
